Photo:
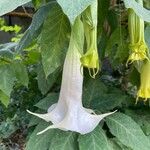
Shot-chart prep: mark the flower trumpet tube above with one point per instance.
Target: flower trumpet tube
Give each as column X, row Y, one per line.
column 138, row 47
column 90, row 59
column 144, row 90
column 69, row 113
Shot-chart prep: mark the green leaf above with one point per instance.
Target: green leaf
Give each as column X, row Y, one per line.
column 7, row 128
column 142, row 117
column 4, row 98
column 45, row 84
column 73, row 8
column 46, row 102
column 117, row 46
column 64, row 141
column 127, row 131
column 108, row 101
column 96, row 140
column 7, row 79
column 21, row 73
column 40, row 142
column 9, row 5
column 139, row 10
column 116, row 145
column 54, row 41
column 93, row 88
column 52, row 139
column 101, row 97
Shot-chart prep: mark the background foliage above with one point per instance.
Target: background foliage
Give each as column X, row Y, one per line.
column 31, row 69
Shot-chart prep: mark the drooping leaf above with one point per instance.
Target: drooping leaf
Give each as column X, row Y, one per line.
column 73, row 8
column 127, row 131
column 5, row 6
column 139, row 10
column 96, row 140
column 54, row 40
column 64, row 141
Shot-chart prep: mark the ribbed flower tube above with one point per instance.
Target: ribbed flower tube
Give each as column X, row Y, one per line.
column 69, row 113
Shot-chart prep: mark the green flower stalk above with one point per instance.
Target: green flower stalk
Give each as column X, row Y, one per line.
column 144, row 90
column 90, row 59
column 138, row 47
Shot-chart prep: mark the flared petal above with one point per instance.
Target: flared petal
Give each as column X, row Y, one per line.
column 78, row 120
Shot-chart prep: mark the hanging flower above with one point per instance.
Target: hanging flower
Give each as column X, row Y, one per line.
column 144, row 90
column 69, row 113
column 138, row 47
column 90, row 59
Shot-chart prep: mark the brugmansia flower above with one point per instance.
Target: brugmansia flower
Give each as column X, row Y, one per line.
column 90, row 59
column 69, row 113
column 144, row 90
column 137, row 44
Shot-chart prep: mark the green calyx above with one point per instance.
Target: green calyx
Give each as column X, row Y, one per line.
column 138, row 52
column 91, row 61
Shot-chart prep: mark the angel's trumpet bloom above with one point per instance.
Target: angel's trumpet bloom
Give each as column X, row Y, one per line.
column 90, row 59
column 69, row 113
column 144, row 90
column 138, row 47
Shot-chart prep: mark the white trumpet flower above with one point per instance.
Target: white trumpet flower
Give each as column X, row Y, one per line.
column 69, row 113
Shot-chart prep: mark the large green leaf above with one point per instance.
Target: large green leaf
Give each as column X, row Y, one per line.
column 139, row 10
column 96, row 140
column 9, row 5
column 127, row 131
column 64, row 141
column 40, row 142
column 53, row 41
column 73, row 8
